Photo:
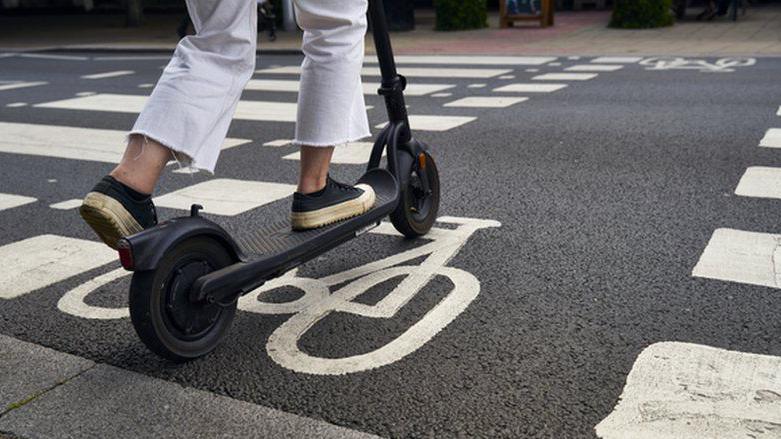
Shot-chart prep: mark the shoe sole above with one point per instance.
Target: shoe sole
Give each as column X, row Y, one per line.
column 108, row 218
column 332, row 214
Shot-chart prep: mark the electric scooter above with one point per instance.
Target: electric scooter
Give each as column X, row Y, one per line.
column 189, row 272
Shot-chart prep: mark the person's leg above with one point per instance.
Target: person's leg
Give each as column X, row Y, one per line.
column 186, row 117
column 331, row 108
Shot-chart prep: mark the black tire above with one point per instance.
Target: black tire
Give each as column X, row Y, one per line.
column 416, row 212
column 163, row 316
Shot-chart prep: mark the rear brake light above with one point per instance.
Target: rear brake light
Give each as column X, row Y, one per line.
column 125, row 254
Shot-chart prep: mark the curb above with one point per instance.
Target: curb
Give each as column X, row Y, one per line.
column 49, row 394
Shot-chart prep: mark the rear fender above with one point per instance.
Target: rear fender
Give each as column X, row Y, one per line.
column 149, row 246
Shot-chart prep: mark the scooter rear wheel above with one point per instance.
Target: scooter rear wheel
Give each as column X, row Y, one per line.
column 417, row 209
column 165, row 318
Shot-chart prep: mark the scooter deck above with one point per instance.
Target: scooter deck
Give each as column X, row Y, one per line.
column 271, row 250
column 278, row 238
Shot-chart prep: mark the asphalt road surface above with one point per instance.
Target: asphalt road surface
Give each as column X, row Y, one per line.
column 619, row 218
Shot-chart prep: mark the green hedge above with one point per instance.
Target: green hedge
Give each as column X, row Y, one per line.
column 461, row 14
column 640, row 14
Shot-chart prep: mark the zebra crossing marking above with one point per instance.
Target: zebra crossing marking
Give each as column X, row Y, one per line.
column 529, row 88
column 105, row 75
column 40, row 261
column 73, row 143
column 594, row 68
column 410, row 72
column 740, row 256
column 507, row 77
column 760, row 182
column 617, row 59
column 772, row 138
column 278, row 143
column 565, row 77
column 225, row 196
column 689, row 391
column 12, row 85
column 476, row 85
column 435, row 123
column 354, row 153
column 67, row 204
column 9, row 201
column 441, row 95
column 17, row 104
column 146, row 85
column 555, row 64
column 290, row 85
column 471, row 60
column 485, row 102
column 57, row 57
column 532, row 70
column 778, row 113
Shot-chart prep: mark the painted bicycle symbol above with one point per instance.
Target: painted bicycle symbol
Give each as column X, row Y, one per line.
column 318, row 302
column 677, row 63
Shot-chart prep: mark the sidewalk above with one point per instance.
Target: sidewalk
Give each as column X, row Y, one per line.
column 49, row 394
column 575, row 33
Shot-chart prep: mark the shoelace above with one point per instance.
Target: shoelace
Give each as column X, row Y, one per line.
column 341, row 186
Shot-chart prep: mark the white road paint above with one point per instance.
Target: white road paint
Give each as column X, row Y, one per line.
column 67, row 204
column 223, row 196
column 86, row 93
column 17, row 104
column 11, row 85
column 778, row 113
column 485, row 102
column 247, row 110
column 318, row 302
column 507, row 77
column 435, row 123
column 740, row 256
column 555, row 64
column 476, row 85
column 355, row 153
column 410, row 72
column 57, row 57
column 441, row 95
column 573, row 58
column 73, row 302
column 594, row 68
column 9, row 201
column 772, row 138
column 69, row 142
column 370, row 88
column 689, row 391
column 132, row 58
column 38, row 262
column 565, row 76
column 532, row 70
column 278, row 143
column 761, row 182
column 723, row 65
column 105, row 75
column 617, row 59
column 529, row 88
column 147, row 85
column 470, row 60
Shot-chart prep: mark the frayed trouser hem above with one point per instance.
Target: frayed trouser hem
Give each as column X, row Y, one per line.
column 297, row 142
column 182, row 159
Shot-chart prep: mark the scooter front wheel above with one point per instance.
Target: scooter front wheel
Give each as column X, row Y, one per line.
column 164, row 317
column 419, row 198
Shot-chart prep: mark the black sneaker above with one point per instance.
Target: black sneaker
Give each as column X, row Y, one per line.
column 114, row 211
column 335, row 202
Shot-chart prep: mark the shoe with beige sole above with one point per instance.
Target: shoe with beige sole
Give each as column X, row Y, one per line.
column 335, row 202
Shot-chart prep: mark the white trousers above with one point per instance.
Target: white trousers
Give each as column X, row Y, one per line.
column 192, row 105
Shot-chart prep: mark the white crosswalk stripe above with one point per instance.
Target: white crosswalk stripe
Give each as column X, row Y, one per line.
column 370, row 88
column 410, row 72
column 529, row 88
column 67, row 204
column 565, row 77
column 689, row 391
column 9, row 201
column 617, row 59
column 772, row 138
column 741, row 256
column 760, row 181
column 485, row 102
column 224, row 196
column 106, row 75
column 594, row 68
column 12, row 85
column 70, row 143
